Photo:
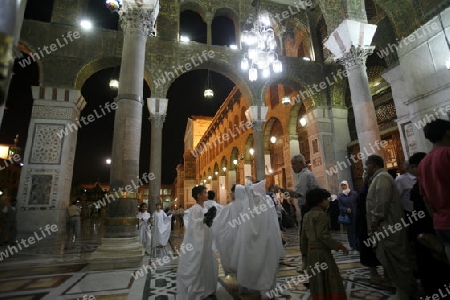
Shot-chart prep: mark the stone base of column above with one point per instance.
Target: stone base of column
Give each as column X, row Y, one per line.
column 31, row 221
column 116, row 253
column 121, row 220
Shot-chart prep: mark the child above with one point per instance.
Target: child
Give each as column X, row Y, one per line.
column 198, row 271
column 143, row 218
column 316, row 245
column 161, row 232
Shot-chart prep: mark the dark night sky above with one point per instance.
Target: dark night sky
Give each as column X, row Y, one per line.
column 95, row 139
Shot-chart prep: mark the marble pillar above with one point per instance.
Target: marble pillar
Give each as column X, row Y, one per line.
column 11, row 19
column 350, row 45
column 46, row 179
column 328, row 163
column 208, row 19
column 363, row 107
column 340, row 135
column 223, row 190
column 157, row 122
column 258, row 139
column 137, row 26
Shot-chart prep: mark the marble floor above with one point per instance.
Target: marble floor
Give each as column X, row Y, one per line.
column 52, row 269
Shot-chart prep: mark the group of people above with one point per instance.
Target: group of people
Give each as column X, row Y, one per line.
column 417, row 205
column 245, row 233
column 156, row 227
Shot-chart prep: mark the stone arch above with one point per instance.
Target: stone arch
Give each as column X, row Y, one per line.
column 232, row 14
column 223, row 163
column 236, row 124
column 295, row 85
column 96, row 65
column 274, row 150
column 248, row 144
column 230, row 127
column 234, row 155
column 209, row 172
column 403, row 15
column 301, row 36
column 27, row 48
column 294, row 116
column 219, row 66
column 195, row 7
column 267, row 133
column 336, row 11
column 216, row 169
column 243, row 117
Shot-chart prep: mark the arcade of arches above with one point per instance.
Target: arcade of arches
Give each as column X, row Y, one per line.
column 356, row 73
column 316, row 86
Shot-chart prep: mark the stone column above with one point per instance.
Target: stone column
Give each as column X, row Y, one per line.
column 350, row 44
column 208, row 19
column 411, row 136
column 157, row 122
column 137, row 25
column 46, row 178
column 11, row 19
column 364, row 110
column 223, row 189
column 258, row 139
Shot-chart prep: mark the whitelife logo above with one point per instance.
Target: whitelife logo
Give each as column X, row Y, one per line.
column 53, row 47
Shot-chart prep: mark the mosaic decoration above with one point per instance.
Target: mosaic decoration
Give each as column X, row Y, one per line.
column 41, row 186
column 386, row 112
column 46, row 144
column 49, row 112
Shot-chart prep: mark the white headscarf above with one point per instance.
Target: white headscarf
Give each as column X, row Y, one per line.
column 347, row 190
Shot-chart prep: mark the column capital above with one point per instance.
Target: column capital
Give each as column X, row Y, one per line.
column 209, row 17
column 349, row 38
column 157, row 120
column 356, row 56
column 138, row 19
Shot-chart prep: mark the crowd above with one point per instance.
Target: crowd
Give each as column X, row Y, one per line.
column 420, row 250
column 251, row 251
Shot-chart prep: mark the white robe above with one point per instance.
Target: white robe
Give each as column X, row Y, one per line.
column 145, row 236
column 210, row 203
column 258, row 246
column 225, row 229
column 207, row 204
column 198, row 271
column 162, row 228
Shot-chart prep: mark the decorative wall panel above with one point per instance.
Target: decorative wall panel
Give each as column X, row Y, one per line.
column 47, row 144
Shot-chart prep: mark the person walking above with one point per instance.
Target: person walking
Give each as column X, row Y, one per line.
column 74, row 212
column 367, row 255
column 145, row 236
column 384, row 210
column 347, row 206
column 198, row 270
column 316, row 245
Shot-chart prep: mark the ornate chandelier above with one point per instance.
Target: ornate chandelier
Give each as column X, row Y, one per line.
column 259, row 37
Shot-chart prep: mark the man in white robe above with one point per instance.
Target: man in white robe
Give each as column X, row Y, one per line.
column 226, row 225
column 258, row 245
column 161, row 227
column 212, row 201
column 198, row 271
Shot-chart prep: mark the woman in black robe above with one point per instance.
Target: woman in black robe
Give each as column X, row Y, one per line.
column 333, row 212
